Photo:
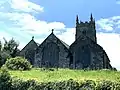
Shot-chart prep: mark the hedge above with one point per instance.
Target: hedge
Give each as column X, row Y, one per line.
column 9, row 83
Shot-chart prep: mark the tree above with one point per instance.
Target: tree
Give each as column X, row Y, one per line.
column 8, row 50
column 11, row 47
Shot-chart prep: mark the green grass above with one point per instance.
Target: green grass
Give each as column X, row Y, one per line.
column 65, row 74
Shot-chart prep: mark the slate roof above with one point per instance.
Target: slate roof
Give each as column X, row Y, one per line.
column 38, row 44
column 83, row 36
column 66, row 45
column 28, row 44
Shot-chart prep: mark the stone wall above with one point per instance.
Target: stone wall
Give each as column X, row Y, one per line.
column 29, row 51
column 63, row 52
column 98, row 56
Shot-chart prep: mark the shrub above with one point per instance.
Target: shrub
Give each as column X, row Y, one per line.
column 105, row 85
column 18, row 63
column 5, row 80
column 88, row 84
column 19, row 84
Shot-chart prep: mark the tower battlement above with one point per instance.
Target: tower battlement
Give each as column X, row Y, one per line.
column 83, row 24
column 87, row 28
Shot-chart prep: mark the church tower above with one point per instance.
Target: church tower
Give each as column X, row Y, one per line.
column 86, row 28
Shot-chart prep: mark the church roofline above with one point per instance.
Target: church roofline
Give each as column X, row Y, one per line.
column 87, row 38
column 29, row 43
column 65, row 45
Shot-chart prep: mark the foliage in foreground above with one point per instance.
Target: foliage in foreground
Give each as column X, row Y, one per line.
column 5, row 80
column 65, row 85
column 9, row 83
column 42, row 75
column 18, row 63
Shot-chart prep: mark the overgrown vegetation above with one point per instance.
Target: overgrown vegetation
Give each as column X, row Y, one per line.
column 8, row 49
column 10, row 83
column 18, row 63
column 66, row 74
column 66, row 85
column 5, row 80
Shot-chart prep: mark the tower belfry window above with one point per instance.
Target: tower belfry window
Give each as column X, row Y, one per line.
column 84, row 32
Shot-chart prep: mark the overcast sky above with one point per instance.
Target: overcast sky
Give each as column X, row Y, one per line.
column 22, row 19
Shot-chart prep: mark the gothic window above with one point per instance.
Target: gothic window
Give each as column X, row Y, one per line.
column 51, row 54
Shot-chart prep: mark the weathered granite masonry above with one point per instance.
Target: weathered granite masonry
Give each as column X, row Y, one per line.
column 52, row 53
column 29, row 51
column 83, row 53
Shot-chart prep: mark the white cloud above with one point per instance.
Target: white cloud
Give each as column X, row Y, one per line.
column 15, row 16
column 4, row 35
column 108, row 24
column 111, row 43
column 30, row 24
column 8, row 37
column 24, row 25
column 26, row 6
column 103, row 24
column 68, row 36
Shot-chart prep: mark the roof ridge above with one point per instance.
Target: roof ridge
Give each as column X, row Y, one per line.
column 28, row 44
column 66, row 45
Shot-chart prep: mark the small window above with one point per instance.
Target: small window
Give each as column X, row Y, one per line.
column 84, row 32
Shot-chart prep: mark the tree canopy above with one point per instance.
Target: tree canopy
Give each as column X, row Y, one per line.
column 8, row 49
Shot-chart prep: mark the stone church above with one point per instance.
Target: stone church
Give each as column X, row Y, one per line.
column 83, row 53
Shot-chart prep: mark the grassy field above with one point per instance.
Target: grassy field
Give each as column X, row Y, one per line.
column 65, row 74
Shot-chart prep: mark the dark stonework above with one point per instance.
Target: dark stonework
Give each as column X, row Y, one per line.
column 88, row 54
column 86, row 28
column 83, row 53
column 29, row 51
column 52, row 53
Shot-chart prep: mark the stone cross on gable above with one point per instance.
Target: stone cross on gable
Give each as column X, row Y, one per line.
column 32, row 37
column 52, row 30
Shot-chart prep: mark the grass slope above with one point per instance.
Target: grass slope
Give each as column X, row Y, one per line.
column 65, row 74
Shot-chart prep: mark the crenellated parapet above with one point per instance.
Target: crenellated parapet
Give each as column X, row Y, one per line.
column 85, row 24
column 87, row 28
column 88, row 24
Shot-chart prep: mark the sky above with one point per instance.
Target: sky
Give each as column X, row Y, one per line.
column 22, row 19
